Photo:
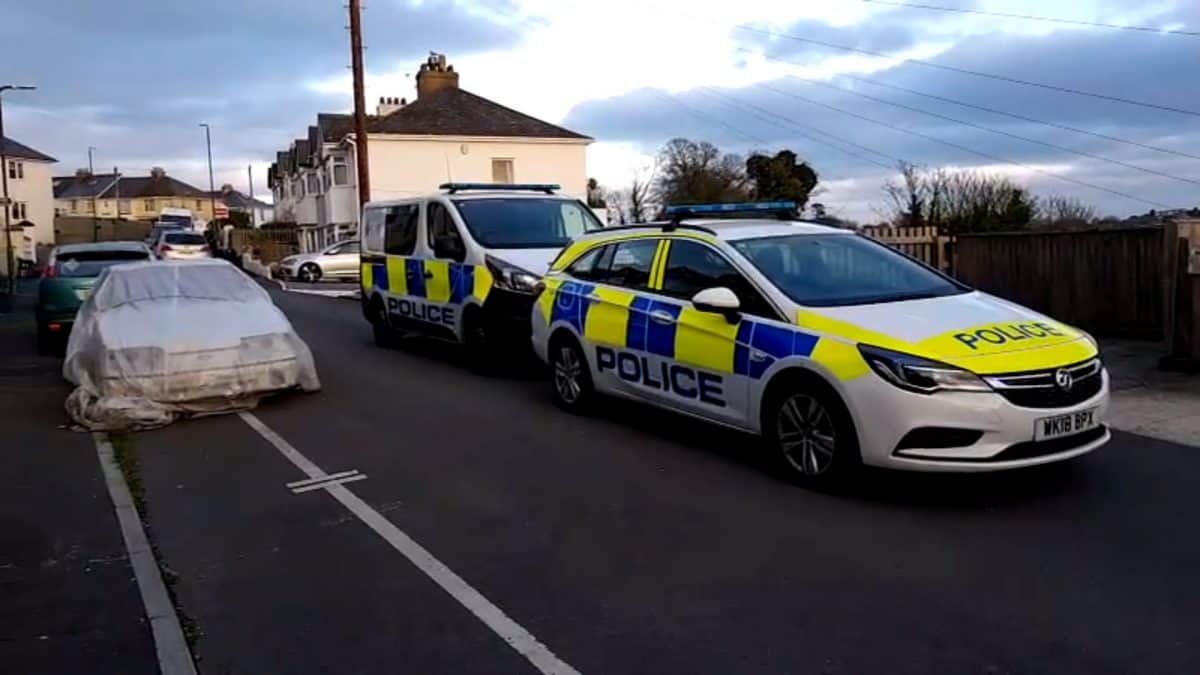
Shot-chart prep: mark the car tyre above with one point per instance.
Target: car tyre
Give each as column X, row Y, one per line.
column 810, row 433
column 45, row 340
column 478, row 347
column 309, row 273
column 570, row 376
column 383, row 334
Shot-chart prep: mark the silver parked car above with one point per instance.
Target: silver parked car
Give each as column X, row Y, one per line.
column 181, row 245
column 339, row 261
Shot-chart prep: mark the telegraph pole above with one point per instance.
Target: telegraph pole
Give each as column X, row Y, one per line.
column 95, row 190
column 360, row 104
column 253, row 209
column 212, row 190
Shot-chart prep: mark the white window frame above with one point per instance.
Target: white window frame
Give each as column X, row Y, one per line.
column 16, row 170
column 511, row 163
column 340, row 163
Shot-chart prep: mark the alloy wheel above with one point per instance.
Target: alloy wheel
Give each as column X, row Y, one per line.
column 567, row 372
column 806, row 434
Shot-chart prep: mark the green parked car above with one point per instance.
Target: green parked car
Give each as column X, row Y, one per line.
column 67, row 279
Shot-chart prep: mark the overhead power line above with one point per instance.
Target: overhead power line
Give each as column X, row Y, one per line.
column 964, row 148
column 1031, row 17
column 976, row 73
column 1000, row 132
column 708, row 118
column 1023, row 118
column 783, row 121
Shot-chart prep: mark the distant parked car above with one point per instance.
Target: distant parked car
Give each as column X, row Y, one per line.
column 181, row 245
column 339, row 261
column 157, row 340
column 67, row 279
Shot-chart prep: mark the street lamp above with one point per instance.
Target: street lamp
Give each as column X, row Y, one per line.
column 9, row 260
column 212, row 197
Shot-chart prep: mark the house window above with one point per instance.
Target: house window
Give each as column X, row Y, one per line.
column 124, row 207
column 502, row 171
column 74, row 204
column 199, row 204
column 16, row 170
column 298, row 188
column 18, row 211
column 148, row 205
column 340, row 174
column 314, row 187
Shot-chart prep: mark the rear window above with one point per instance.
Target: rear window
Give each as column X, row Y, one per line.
column 90, row 263
column 185, row 238
column 504, row 222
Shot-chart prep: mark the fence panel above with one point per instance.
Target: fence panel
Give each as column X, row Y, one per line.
column 270, row 245
column 1108, row 282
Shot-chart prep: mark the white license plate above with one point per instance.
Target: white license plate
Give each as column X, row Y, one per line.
column 1058, row 426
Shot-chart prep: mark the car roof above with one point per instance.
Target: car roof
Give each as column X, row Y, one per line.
column 732, row 229
column 468, row 195
column 101, row 246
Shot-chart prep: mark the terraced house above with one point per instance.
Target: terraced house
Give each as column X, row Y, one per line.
column 109, row 195
column 445, row 134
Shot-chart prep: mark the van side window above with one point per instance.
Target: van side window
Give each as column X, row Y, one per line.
column 400, row 229
column 373, row 235
column 444, row 238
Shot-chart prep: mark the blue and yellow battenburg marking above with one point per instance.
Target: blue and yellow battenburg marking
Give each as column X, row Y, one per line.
column 625, row 319
column 434, row 280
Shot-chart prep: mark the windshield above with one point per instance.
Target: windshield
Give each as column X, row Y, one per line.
column 176, row 220
column 184, row 238
column 525, row 223
column 89, row 263
column 842, row 269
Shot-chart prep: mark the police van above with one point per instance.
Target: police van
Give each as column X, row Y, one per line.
column 462, row 264
column 837, row 349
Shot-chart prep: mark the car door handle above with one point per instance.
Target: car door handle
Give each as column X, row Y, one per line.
column 659, row 316
column 757, row 356
column 429, row 275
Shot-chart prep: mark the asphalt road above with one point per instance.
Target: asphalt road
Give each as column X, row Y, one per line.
column 634, row 541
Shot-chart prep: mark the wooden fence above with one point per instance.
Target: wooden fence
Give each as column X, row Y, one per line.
column 78, row 230
column 271, row 245
column 1109, row 282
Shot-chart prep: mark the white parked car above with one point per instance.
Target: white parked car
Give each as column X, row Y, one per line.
column 339, row 261
column 181, row 245
column 156, row 340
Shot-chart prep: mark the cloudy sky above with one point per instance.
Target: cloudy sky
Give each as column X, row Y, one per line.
column 134, row 78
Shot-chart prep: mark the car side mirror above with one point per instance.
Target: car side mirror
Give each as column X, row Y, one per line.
column 719, row 300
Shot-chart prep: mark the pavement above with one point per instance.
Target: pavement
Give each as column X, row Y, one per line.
column 493, row 533
column 68, row 599
column 1149, row 401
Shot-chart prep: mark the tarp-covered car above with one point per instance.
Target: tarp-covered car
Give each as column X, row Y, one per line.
column 159, row 340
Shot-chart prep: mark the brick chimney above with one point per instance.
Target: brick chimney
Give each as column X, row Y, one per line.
column 158, row 173
column 388, row 105
column 435, row 75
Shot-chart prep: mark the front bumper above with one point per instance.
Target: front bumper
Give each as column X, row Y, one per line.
column 884, row 416
column 507, row 317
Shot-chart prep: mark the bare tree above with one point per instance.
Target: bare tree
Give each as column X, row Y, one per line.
column 691, row 172
column 959, row 201
column 639, row 195
column 1060, row 212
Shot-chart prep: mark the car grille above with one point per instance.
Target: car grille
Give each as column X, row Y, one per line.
column 1040, row 388
column 1032, row 449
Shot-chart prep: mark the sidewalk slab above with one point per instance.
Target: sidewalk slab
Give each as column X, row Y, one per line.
column 1149, row 401
column 68, row 599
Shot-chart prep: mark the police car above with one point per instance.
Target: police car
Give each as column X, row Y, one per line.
column 462, row 264
column 835, row 348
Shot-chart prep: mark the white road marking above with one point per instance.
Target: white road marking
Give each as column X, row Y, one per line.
column 310, row 481
column 174, row 657
column 325, row 484
column 492, row 616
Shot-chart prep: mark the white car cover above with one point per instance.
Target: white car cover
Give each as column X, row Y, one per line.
column 156, row 341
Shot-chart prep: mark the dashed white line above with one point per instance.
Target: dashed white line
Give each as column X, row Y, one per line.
column 492, row 616
column 310, row 481
column 174, row 657
column 327, row 483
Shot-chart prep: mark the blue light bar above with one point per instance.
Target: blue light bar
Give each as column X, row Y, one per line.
column 548, row 188
column 682, row 210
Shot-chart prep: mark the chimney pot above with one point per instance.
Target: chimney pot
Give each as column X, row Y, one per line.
column 435, row 75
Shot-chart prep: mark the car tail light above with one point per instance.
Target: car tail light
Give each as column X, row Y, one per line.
column 166, row 247
column 54, row 327
column 204, row 248
column 50, row 272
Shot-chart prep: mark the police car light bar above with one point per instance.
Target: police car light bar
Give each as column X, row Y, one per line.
column 685, row 210
column 548, row 188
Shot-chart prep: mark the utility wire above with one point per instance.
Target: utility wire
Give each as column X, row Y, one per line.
column 1016, row 116
column 976, row 73
column 964, row 148
column 782, row 122
column 1001, row 132
column 708, row 118
column 1030, row 17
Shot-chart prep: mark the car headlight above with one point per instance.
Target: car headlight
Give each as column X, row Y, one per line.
column 512, row 278
column 913, row 373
